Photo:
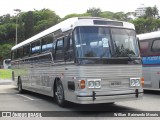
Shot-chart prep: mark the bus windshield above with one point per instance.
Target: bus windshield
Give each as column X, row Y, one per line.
column 103, row 42
column 125, row 42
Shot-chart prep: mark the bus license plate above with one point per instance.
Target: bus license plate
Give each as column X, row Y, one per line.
column 115, row 83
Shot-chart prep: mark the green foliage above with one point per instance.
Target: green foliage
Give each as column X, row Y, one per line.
column 151, row 12
column 148, row 22
column 5, row 74
column 5, row 19
column 155, row 11
column 139, row 25
column 143, row 25
column 7, row 32
column 5, row 50
column 107, row 14
column 148, row 12
column 95, row 12
column 28, row 25
column 44, row 19
column 117, row 16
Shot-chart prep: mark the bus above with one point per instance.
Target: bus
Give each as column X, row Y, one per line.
column 7, row 63
column 83, row 60
column 150, row 52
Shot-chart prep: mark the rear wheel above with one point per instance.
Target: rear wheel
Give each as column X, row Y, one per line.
column 59, row 94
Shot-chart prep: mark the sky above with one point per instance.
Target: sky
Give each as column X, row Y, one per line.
column 65, row 7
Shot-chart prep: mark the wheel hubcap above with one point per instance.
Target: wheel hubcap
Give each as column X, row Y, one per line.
column 59, row 92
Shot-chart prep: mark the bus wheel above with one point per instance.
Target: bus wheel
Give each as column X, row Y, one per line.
column 20, row 90
column 59, row 94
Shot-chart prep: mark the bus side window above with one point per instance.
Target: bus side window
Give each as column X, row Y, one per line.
column 35, row 47
column 156, row 46
column 26, row 50
column 47, row 43
column 68, row 48
column 20, row 52
column 59, row 51
column 14, row 55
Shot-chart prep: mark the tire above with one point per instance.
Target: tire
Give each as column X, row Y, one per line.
column 59, row 94
column 20, row 90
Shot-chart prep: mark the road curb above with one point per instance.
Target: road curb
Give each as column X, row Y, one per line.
column 5, row 82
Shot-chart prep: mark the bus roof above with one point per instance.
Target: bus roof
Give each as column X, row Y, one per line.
column 150, row 35
column 71, row 23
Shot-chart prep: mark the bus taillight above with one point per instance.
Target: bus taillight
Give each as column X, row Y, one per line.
column 82, row 84
column 142, row 81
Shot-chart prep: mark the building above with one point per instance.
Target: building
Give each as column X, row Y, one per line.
column 140, row 11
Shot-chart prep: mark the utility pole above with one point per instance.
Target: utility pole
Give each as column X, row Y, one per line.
column 17, row 12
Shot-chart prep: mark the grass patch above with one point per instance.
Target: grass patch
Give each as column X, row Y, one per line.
column 5, row 74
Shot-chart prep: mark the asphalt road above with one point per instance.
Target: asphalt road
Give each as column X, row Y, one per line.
column 11, row 100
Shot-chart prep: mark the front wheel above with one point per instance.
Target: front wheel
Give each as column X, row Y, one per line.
column 20, row 90
column 59, row 94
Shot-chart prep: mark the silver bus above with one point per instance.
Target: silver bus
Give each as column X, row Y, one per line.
column 150, row 52
column 81, row 60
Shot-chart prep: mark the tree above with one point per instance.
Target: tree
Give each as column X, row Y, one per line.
column 95, row 12
column 139, row 25
column 29, row 25
column 5, row 51
column 107, row 14
column 44, row 19
column 7, row 32
column 143, row 25
column 149, row 12
column 5, row 19
column 155, row 11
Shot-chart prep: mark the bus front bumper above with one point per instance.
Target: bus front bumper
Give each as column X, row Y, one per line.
column 108, row 96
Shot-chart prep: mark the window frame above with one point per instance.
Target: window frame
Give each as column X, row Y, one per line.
column 36, row 52
column 46, row 41
column 155, row 51
column 59, row 51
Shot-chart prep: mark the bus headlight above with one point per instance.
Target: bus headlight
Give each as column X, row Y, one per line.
column 134, row 82
column 91, row 84
column 94, row 83
column 97, row 84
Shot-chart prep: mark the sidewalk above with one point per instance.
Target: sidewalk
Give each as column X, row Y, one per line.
column 5, row 82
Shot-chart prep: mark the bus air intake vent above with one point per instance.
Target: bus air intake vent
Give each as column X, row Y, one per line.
column 114, row 23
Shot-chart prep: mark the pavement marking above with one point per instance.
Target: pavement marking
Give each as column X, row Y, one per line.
column 32, row 100
column 26, row 97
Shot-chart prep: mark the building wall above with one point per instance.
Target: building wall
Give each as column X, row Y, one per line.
column 140, row 11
